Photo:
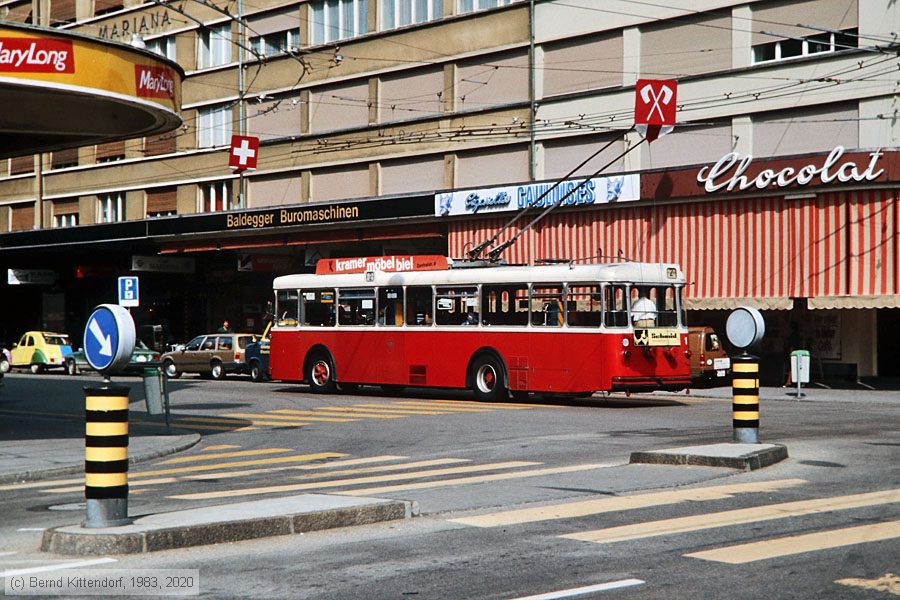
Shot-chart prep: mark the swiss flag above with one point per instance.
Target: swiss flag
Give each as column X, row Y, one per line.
column 244, row 152
column 654, row 107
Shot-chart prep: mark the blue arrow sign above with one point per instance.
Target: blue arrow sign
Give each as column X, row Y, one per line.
column 109, row 337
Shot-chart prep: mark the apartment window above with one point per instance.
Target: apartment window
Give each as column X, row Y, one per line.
column 273, row 44
column 215, row 46
column 160, row 144
column 397, row 13
column 65, row 158
column 21, row 164
column 65, row 213
column 65, row 220
column 215, row 197
column 21, row 217
column 112, row 207
column 110, row 152
column 162, row 202
column 102, row 7
column 214, row 126
column 164, row 46
column 338, row 19
column 472, row 5
column 806, row 46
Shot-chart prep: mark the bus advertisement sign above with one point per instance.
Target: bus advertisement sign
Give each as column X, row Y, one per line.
column 656, row 337
column 392, row 264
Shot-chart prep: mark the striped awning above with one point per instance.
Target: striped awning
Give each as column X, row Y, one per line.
column 886, row 301
column 732, row 303
column 759, row 252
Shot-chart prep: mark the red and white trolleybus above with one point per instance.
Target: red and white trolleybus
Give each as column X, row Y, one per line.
column 427, row 321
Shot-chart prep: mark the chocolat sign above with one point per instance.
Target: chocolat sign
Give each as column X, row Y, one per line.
column 731, row 172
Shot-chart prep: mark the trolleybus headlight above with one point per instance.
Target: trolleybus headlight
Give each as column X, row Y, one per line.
column 625, row 342
column 687, row 353
column 626, row 354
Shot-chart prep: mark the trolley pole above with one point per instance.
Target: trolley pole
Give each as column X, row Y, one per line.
column 106, row 456
column 745, row 398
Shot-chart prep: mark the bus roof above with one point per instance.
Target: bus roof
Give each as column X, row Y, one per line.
column 628, row 272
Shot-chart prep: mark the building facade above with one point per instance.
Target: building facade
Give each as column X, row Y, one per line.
column 417, row 126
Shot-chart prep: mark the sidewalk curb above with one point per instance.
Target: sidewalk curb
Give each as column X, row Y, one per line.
column 183, row 443
column 211, row 525
column 729, row 456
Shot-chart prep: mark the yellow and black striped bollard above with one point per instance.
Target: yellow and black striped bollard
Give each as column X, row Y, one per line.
column 106, row 456
column 745, row 398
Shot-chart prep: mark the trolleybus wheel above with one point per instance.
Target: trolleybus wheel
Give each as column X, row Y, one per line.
column 320, row 372
column 487, row 379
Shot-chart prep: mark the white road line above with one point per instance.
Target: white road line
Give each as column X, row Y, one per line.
column 71, row 565
column 7, row 553
column 31, row 528
column 571, row 593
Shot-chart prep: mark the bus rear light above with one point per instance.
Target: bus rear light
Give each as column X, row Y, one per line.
column 237, row 356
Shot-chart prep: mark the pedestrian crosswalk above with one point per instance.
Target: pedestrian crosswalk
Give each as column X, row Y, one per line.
column 293, row 417
column 289, row 417
column 233, row 471
column 734, row 554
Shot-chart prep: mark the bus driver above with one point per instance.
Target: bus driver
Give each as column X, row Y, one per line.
column 643, row 312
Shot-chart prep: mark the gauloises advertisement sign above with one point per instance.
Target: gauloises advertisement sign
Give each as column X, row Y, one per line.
column 82, row 64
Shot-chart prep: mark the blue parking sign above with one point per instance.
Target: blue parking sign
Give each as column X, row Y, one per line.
column 128, row 291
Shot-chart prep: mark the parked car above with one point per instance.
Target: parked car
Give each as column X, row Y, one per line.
column 141, row 356
column 38, row 351
column 257, row 356
column 212, row 355
column 5, row 360
column 710, row 364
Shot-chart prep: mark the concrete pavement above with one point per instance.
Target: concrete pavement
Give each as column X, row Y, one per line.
column 31, row 460
column 22, row 460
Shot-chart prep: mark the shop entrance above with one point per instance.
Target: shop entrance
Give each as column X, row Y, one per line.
column 888, row 320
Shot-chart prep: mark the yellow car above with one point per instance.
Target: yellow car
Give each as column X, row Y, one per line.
column 38, row 351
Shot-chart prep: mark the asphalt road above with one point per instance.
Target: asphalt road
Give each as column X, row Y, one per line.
column 793, row 530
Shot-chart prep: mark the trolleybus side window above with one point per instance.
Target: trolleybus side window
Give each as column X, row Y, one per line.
column 547, row 308
column 287, row 307
column 616, row 307
column 390, row 306
column 584, row 306
column 317, row 307
column 456, row 305
column 419, row 306
column 356, row 306
column 504, row 304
